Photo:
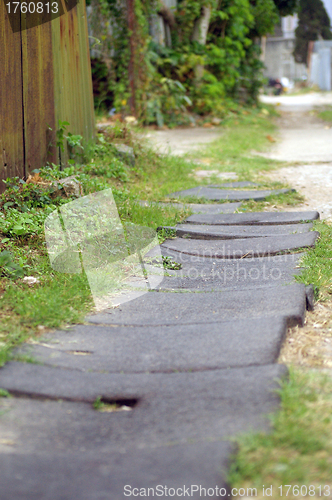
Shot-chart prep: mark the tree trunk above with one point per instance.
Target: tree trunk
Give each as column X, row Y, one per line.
column 131, row 68
column 201, row 29
column 202, row 26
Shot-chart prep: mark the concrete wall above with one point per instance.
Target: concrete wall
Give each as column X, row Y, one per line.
column 279, row 61
column 321, row 65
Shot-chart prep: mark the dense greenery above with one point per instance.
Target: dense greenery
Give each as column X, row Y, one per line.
column 314, row 23
column 210, row 58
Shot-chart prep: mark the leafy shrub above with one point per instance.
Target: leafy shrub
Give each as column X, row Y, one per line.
column 23, row 196
column 8, row 267
column 16, row 223
column 112, row 168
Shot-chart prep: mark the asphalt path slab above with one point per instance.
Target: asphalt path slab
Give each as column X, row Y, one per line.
column 215, row 194
column 241, row 248
column 171, row 308
column 211, row 274
column 254, row 218
column 184, row 261
column 145, row 349
column 193, row 469
column 208, row 232
column 55, row 408
column 232, row 274
column 54, row 445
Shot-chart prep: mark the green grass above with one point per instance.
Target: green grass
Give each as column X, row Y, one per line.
column 326, row 115
column 298, row 451
column 276, row 201
column 233, row 150
column 317, row 262
column 156, row 177
column 4, row 393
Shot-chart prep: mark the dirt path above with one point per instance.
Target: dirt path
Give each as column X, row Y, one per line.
column 305, row 141
column 181, row 141
column 306, row 144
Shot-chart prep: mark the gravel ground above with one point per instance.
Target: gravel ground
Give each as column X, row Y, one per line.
column 305, row 142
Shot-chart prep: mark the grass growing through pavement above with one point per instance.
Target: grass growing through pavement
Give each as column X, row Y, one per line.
column 60, row 299
column 299, row 449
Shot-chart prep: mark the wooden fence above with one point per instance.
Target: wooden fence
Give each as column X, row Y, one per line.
column 45, row 76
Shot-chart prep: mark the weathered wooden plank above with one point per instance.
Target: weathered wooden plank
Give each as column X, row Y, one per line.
column 72, row 73
column 11, row 108
column 38, row 95
column 45, row 77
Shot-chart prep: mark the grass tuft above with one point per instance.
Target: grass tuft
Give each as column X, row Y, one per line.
column 317, row 262
column 298, row 451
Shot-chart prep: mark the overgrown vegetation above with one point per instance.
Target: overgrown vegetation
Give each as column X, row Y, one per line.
column 317, row 262
column 176, row 64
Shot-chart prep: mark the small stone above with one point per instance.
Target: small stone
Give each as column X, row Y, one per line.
column 125, row 408
column 227, row 175
column 70, row 186
column 131, row 120
column 205, row 173
column 30, row 280
column 216, row 121
column 125, row 153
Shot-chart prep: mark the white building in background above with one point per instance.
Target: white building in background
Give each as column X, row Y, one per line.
column 278, row 54
column 278, row 58
column 160, row 28
column 320, row 64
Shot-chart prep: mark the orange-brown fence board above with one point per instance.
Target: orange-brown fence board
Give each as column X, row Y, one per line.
column 11, row 108
column 72, row 70
column 38, row 96
column 45, row 76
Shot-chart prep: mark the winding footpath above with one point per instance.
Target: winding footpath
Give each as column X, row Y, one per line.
column 186, row 367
